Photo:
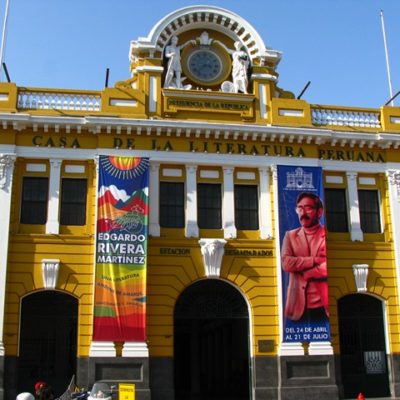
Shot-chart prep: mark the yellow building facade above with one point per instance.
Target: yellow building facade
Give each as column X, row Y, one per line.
column 215, row 139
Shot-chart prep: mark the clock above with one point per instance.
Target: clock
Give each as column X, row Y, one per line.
column 206, row 65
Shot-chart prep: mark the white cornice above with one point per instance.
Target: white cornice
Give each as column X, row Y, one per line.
column 255, row 132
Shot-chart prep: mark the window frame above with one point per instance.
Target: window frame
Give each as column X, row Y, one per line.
column 82, row 204
column 181, row 223
column 240, row 210
column 204, row 211
column 330, row 215
column 44, row 202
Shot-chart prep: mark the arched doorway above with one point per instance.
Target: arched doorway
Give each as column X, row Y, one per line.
column 48, row 340
column 211, row 343
column 362, row 346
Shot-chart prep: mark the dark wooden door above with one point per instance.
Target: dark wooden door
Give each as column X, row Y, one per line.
column 362, row 347
column 211, row 343
column 48, row 340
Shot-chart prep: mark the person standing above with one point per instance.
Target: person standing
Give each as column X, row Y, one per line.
column 303, row 256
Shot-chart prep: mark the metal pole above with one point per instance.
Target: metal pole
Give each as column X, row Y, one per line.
column 3, row 37
column 387, row 59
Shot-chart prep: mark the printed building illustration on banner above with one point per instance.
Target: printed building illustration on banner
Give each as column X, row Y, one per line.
column 303, row 254
column 120, row 288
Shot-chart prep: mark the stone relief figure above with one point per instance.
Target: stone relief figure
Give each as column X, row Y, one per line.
column 240, row 64
column 173, row 78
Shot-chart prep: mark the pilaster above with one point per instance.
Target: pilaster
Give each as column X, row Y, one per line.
column 356, row 233
column 228, row 205
column 191, row 228
column 53, row 223
column 265, row 204
column 6, row 178
column 154, row 194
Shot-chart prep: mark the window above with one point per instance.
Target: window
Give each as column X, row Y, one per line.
column 73, row 202
column 246, row 207
column 336, row 210
column 34, row 200
column 369, row 211
column 209, row 205
column 172, row 214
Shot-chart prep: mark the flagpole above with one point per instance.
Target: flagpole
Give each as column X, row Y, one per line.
column 387, row 59
column 3, row 37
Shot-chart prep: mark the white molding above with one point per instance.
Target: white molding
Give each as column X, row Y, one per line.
column 149, row 68
column 191, row 227
column 363, row 180
column 356, row 233
column 212, row 251
column 223, row 21
column 35, row 167
column 209, row 174
column 123, row 103
column 264, row 77
column 135, row 349
column 7, row 161
column 360, row 272
column 50, row 271
column 53, row 205
column 154, row 199
column 334, row 179
column 172, row 172
column 265, row 204
column 262, row 90
column 290, row 112
column 320, row 348
column 291, row 349
column 75, row 169
column 102, row 349
column 228, row 204
column 153, row 94
column 246, row 176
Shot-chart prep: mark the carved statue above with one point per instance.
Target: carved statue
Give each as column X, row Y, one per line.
column 240, row 64
column 173, row 77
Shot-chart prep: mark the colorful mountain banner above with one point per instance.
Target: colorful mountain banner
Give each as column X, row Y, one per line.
column 303, row 254
column 121, row 249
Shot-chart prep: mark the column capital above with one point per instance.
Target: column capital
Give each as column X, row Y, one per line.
column 351, row 175
column 55, row 162
column 393, row 177
column 228, row 170
column 6, row 162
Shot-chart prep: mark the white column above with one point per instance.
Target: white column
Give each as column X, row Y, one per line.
column 6, row 177
column 356, row 233
column 152, row 94
column 191, row 228
column 263, row 100
column 154, row 194
column 394, row 201
column 265, row 204
column 228, row 205
column 53, row 206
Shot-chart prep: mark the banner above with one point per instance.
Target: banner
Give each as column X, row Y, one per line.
column 303, row 254
column 121, row 249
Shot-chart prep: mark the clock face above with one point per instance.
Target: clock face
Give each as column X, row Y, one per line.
column 204, row 65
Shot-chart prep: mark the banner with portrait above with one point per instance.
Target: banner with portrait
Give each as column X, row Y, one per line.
column 121, row 249
column 303, row 254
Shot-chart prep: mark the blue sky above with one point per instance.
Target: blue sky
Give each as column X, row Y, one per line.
column 335, row 44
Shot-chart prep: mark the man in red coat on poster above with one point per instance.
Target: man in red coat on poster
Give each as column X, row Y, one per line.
column 304, row 258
